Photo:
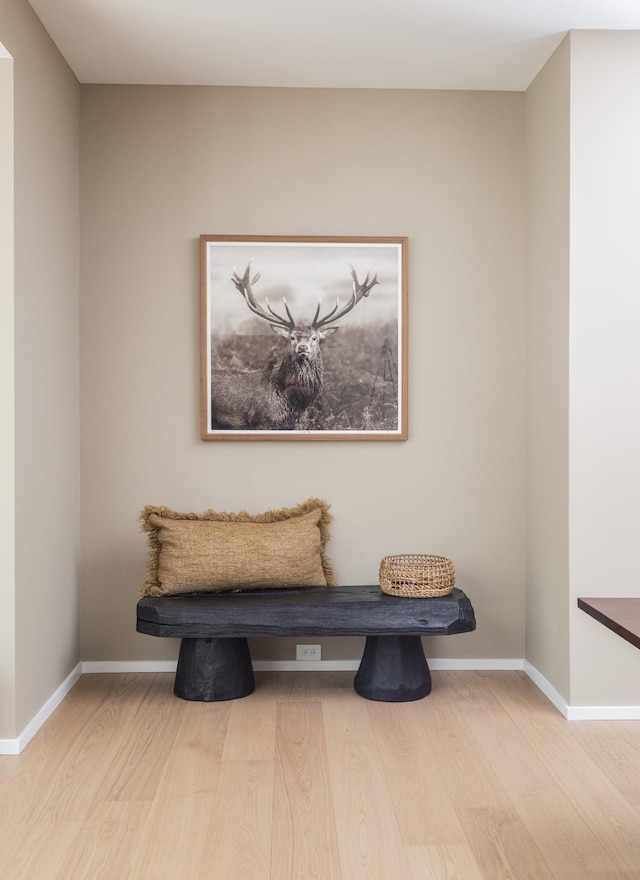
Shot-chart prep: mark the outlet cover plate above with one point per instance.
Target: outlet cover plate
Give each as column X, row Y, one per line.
column 308, row 652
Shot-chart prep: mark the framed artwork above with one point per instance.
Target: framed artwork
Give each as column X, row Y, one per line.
column 303, row 338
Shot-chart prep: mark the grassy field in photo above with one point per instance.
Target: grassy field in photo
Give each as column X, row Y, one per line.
column 360, row 389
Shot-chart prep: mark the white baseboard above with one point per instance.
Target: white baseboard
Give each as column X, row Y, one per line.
column 305, row 665
column 496, row 664
column 97, row 666
column 547, row 688
column 580, row 713
column 104, row 666
column 16, row 746
column 603, row 713
column 577, row 713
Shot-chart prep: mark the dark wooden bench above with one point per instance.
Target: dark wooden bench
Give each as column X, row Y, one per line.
column 215, row 664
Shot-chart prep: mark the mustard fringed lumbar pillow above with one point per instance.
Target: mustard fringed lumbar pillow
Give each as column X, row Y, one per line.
column 214, row 552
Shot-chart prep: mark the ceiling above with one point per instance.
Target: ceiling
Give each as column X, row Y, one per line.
column 408, row 44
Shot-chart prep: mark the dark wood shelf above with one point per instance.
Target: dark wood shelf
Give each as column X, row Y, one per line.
column 622, row 616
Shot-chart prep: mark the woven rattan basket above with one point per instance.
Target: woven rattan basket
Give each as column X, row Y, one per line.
column 416, row 575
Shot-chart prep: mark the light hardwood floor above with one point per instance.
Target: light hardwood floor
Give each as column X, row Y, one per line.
column 483, row 779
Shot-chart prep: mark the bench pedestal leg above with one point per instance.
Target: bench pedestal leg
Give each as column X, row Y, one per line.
column 393, row 670
column 214, row 669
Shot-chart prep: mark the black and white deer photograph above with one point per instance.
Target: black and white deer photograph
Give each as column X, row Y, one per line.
column 303, row 338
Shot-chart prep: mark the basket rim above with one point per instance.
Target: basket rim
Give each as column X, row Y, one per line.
column 416, row 556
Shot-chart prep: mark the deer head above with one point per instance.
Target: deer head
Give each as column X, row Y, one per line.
column 304, row 339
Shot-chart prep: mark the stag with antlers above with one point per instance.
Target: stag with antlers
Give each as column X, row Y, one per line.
column 278, row 396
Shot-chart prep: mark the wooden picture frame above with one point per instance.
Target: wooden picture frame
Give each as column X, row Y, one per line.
column 303, row 338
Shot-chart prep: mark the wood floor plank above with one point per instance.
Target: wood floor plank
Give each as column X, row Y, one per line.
column 89, row 693
column 135, row 770
column 192, row 764
column 309, row 685
column 172, row 842
column 441, row 862
column 610, row 744
column 502, row 846
column 37, row 850
column 556, row 826
column 251, row 732
column 79, row 766
column 238, row 840
column 274, row 685
column 369, row 839
column 470, row 780
column 103, row 848
column 29, row 782
column 604, row 809
column 304, row 843
column 419, row 793
column 630, row 731
column 22, row 779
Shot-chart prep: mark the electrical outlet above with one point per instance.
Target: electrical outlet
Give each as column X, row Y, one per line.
column 308, row 652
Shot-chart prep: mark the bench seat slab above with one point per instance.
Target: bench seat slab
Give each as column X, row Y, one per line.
column 311, row 611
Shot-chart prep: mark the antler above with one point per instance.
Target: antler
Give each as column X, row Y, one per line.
column 359, row 291
column 244, row 286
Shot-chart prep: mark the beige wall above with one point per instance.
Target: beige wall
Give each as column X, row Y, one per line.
column 605, row 356
column 547, row 137
column 7, row 405
column 160, row 166
column 583, row 140
column 46, row 327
